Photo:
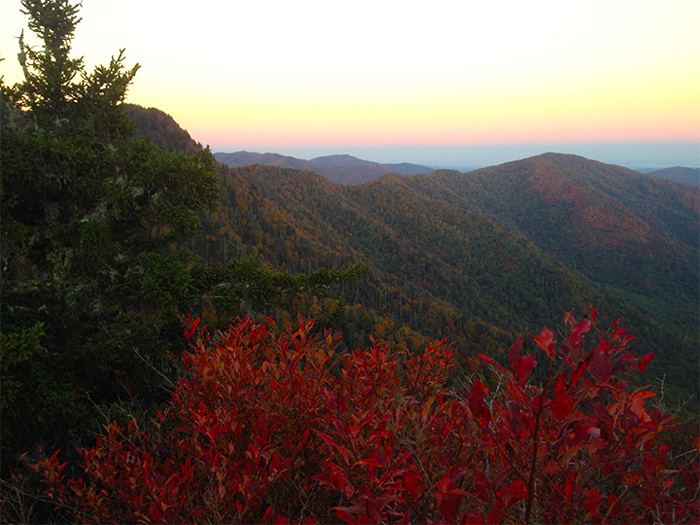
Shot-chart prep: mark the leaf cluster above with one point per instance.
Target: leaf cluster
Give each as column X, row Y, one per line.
column 281, row 427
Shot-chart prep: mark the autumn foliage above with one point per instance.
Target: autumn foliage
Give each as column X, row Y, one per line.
column 279, row 427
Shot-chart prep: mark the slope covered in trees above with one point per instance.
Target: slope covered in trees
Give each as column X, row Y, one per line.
column 160, row 127
column 507, row 248
column 682, row 174
column 634, row 234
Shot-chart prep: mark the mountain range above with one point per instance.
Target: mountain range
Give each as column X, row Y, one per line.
column 341, row 169
column 679, row 174
column 478, row 257
column 346, row 169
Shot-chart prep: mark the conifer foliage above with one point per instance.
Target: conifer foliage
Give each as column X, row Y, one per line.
column 91, row 221
column 280, row 427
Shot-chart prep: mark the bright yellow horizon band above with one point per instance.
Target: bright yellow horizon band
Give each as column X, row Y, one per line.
column 651, row 111
column 384, row 72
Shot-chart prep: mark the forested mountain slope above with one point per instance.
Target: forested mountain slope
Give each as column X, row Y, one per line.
column 162, row 129
column 474, row 257
column 477, row 256
column 634, row 233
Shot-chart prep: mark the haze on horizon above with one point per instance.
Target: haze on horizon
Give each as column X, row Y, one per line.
column 449, row 84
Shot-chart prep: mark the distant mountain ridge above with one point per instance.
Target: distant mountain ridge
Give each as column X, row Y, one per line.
column 679, row 174
column 340, row 169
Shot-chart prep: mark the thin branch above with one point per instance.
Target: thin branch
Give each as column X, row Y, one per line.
column 535, row 448
column 153, row 367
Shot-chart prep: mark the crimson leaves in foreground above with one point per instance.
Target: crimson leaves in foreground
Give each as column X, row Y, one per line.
column 279, row 427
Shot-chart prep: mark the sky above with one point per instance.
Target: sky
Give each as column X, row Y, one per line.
column 440, row 83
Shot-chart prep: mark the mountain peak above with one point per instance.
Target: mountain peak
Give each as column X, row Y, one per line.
column 690, row 176
column 386, row 179
column 162, row 129
column 340, row 169
column 340, row 160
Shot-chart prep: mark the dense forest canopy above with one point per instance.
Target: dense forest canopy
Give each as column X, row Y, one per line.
column 493, row 251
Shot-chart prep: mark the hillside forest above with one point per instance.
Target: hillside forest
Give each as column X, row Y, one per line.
column 188, row 341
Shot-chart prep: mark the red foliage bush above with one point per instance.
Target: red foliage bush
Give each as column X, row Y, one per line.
column 271, row 428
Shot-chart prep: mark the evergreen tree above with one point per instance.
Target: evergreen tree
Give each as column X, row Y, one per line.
column 92, row 217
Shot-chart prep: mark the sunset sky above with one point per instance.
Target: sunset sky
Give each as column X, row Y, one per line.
column 444, row 83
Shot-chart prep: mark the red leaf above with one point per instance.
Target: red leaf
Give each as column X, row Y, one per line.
column 514, row 352
column 546, row 341
column 410, row 480
column 600, row 366
column 481, row 485
column 578, row 372
column 511, row 493
column 192, row 326
column 593, row 501
column 495, row 516
column 626, row 362
column 568, row 489
column 649, row 473
column 332, row 445
column 370, row 462
column 346, row 513
column 448, row 496
column 476, row 402
column 560, row 383
column 518, row 421
column 614, row 507
column 618, row 332
column 494, row 364
column 645, row 361
column 525, row 366
column 581, row 328
column 562, row 405
column 604, row 345
column 443, row 486
column 627, row 339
